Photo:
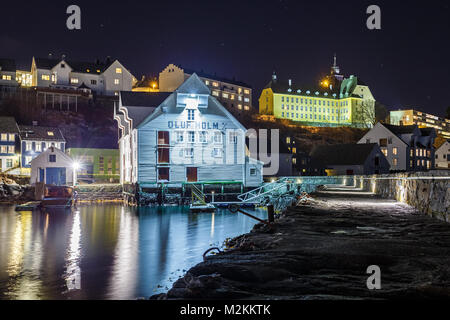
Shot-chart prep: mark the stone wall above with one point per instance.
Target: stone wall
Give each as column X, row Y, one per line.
column 426, row 191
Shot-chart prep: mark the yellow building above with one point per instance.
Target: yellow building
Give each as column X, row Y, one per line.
column 421, row 119
column 334, row 102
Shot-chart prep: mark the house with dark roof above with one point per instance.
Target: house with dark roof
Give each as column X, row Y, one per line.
column 35, row 139
column 103, row 77
column 351, row 159
column 9, row 155
column 407, row 148
column 334, row 102
column 234, row 95
column 8, row 72
column 186, row 137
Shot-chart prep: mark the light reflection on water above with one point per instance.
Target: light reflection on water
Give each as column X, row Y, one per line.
column 106, row 252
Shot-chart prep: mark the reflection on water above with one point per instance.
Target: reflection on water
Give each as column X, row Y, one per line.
column 106, row 252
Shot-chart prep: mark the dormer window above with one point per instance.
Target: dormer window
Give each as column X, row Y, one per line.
column 50, row 133
column 191, row 115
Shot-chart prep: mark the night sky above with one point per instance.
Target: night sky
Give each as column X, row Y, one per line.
column 406, row 64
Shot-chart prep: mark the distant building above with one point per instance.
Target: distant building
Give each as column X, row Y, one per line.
column 407, row 148
column 423, row 120
column 182, row 138
column 8, row 72
column 34, row 140
column 335, row 101
column 53, row 167
column 146, row 85
column 9, row 155
column 96, row 165
column 443, row 156
column 233, row 95
column 351, row 159
column 104, row 78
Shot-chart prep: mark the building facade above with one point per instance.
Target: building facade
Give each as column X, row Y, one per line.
column 351, row 159
column 8, row 73
column 96, row 165
column 423, row 120
column 407, row 148
column 351, row 103
column 233, row 95
column 183, row 137
column 443, row 156
column 9, row 155
column 35, row 140
column 104, row 78
column 53, row 167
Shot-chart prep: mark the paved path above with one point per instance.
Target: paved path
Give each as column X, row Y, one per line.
column 322, row 251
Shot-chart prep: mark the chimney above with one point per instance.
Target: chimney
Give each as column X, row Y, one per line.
column 290, row 83
column 274, row 76
column 108, row 60
column 63, row 57
column 50, row 56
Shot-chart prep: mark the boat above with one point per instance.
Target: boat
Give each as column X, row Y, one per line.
column 57, row 197
column 200, row 207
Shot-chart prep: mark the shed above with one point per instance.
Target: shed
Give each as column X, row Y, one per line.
column 53, row 167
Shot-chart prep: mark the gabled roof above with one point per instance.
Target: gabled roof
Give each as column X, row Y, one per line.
column 342, row 154
column 8, row 125
column 54, row 150
column 76, row 66
column 139, row 105
column 195, row 86
column 400, row 129
column 41, row 133
column 8, row 65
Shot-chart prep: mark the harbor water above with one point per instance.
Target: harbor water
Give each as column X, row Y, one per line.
column 106, row 251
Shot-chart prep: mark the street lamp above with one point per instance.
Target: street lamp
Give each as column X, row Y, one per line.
column 75, row 166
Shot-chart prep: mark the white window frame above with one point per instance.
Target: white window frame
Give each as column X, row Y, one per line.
column 189, row 154
column 190, row 135
column 217, row 134
column 204, row 135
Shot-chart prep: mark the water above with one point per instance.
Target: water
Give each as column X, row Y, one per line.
column 106, row 251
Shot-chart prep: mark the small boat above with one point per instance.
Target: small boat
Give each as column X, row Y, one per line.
column 196, row 208
column 57, row 197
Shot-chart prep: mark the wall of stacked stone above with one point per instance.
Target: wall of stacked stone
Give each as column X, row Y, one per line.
column 426, row 191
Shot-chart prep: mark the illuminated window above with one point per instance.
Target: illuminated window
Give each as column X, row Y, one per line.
column 118, row 70
column 395, row 151
column 215, row 93
column 28, row 146
column 246, row 108
column 395, row 162
column 74, row 80
column 247, row 91
column 50, row 133
column 45, row 77
column 207, row 82
column 28, row 159
column 116, row 81
column 385, row 151
column 4, row 150
column 288, row 140
column 6, row 77
column 12, row 137
column 225, row 95
column 4, row 137
column 215, row 84
column 38, row 147
column 294, row 161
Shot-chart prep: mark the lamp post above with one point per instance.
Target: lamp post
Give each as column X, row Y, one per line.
column 75, row 167
column 212, row 193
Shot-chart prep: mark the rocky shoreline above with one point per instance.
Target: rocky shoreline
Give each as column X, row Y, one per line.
column 322, row 251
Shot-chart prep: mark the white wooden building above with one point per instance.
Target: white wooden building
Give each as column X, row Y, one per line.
column 53, row 167
column 183, row 137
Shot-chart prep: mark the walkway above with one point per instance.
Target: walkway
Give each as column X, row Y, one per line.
column 322, row 251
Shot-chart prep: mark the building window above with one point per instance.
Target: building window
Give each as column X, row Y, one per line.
column 217, row 137
column 9, row 163
column 28, row 159
column 94, row 82
column 247, row 91
column 11, row 149
column 385, row 151
column 233, row 137
column 12, row 137
column 45, row 77
column 189, row 152
column 288, row 140
column 4, row 149
column 202, row 137
column 395, row 162
column 4, row 137
column 116, row 81
column 73, row 80
column 180, row 136
column 52, row 158
column 191, row 136
column 38, row 147
column 191, row 115
column 118, row 70
column 383, row 143
column 217, row 153
column 215, row 84
column 394, row 151
column 207, row 82
column 253, row 171
column 29, row 146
